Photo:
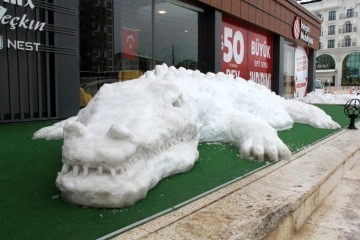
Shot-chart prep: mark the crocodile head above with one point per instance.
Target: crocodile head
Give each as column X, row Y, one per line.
column 127, row 139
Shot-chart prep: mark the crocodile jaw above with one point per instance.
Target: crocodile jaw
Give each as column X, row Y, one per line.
column 106, row 190
column 117, row 169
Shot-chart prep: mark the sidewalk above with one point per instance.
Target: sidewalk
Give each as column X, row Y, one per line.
column 339, row 215
column 273, row 203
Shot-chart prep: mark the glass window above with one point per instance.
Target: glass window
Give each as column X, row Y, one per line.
column 325, row 61
column 350, row 13
column 96, row 41
column 331, row 43
column 347, row 41
column 348, row 27
column 331, row 30
column 332, row 15
column 132, row 38
column 120, row 40
column 351, row 70
column 289, row 68
column 176, row 35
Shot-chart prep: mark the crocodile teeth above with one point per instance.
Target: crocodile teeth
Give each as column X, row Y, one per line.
column 75, row 170
column 65, row 168
column 113, row 172
column 100, row 170
column 86, row 171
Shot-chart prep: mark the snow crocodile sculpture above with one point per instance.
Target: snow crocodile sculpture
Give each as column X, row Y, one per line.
column 133, row 134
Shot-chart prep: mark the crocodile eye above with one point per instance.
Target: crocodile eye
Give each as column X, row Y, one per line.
column 120, row 132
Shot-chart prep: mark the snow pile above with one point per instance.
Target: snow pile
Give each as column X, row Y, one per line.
column 135, row 133
column 327, row 98
column 53, row 132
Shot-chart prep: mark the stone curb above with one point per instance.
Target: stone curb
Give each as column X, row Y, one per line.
column 272, row 203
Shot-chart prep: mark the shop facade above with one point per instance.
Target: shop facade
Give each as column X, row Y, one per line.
column 54, row 53
column 39, row 69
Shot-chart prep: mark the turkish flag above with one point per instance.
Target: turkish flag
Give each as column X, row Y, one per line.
column 129, row 43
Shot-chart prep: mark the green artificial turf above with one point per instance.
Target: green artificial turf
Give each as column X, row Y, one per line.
column 31, row 206
column 301, row 135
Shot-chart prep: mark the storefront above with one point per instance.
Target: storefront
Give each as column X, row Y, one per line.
column 54, row 53
column 39, row 67
column 274, row 47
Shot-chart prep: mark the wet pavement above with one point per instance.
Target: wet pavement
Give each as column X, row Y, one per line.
column 339, row 215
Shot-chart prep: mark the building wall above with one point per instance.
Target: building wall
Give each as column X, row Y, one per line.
column 280, row 20
column 339, row 51
column 46, row 83
column 39, row 70
column 275, row 15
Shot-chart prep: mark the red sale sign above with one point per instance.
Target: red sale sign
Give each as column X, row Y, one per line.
column 260, row 58
column 234, row 54
column 246, row 53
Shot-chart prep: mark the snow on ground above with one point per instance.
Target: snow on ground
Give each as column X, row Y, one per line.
column 327, row 98
column 133, row 134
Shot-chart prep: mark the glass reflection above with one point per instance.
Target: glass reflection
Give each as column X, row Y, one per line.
column 289, row 67
column 351, row 70
column 176, row 35
column 120, row 40
column 133, row 37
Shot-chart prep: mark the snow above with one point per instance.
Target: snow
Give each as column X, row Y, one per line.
column 133, row 134
column 327, row 98
column 53, row 132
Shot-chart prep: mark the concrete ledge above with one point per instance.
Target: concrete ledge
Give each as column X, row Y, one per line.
column 272, row 203
column 338, row 217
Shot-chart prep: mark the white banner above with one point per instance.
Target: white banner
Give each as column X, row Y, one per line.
column 301, row 72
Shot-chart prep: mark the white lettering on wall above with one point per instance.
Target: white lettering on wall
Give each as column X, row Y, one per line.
column 20, row 3
column 305, row 37
column 260, row 49
column 22, row 45
column 17, row 22
column 234, row 43
column 234, row 72
column 261, row 78
column 20, row 22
